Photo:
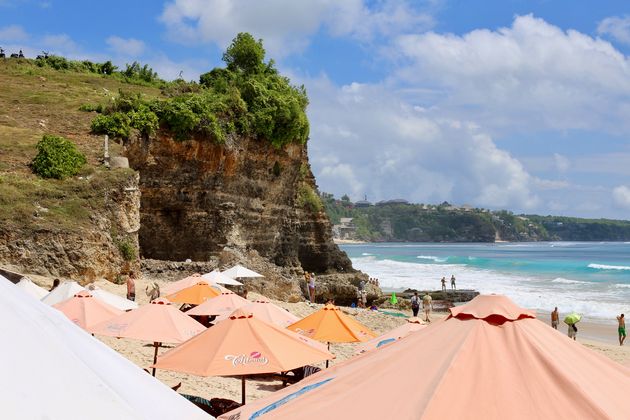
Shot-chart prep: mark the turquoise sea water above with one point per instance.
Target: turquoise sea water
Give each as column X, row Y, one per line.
column 590, row 278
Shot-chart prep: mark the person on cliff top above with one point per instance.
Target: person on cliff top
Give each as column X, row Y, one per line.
column 415, row 303
column 443, row 284
column 453, row 282
column 311, row 287
column 427, row 305
column 54, row 285
column 131, row 286
column 622, row 329
column 555, row 318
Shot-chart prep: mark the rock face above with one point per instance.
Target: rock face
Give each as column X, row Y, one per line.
column 199, row 197
column 83, row 254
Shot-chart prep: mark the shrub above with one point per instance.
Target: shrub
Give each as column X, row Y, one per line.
column 117, row 125
column 144, row 120
column 308, row 199
column 127, row 250
column 91, row 108
column 57, row 158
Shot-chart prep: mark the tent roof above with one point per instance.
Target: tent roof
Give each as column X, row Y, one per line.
column 64, row 291
column 31, row 288
column 238, row 271
column 47, row 350
column 464, row 368
column 216, row 276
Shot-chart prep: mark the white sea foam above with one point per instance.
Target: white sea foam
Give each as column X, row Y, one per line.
column 431, row 257
column 595, row 301
column 609, row 267
column 367, row 254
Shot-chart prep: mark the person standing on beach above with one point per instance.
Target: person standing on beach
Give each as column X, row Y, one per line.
column 427, row 305
column 131, row 286
column 622, row 329
column 572, row 331
column 443, row 284
column 311, row 287
column 555, row 319
column 415, row 303
column 453, row 282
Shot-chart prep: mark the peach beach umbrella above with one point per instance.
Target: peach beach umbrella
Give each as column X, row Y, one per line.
column 87, row 311
column 194, row 295
column 412, row 325
column 331, row 325
column 225, row 302
column 188, row 282
column 157, row 322
column 264, row 310
column 242, row 345
column 489, row 359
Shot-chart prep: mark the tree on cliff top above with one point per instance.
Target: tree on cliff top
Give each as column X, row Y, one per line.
column 245, row 54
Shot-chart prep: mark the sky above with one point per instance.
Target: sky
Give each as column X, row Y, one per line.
column 500, row 104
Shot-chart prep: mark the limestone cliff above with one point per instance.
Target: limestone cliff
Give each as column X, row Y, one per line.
column 199, row 197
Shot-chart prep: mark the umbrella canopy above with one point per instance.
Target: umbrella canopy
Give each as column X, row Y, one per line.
column 111, row 299
column 31, row 288
column 178, row 285
column 412, row 325
column 216, row 276
column 194, row 295
column 266, row 311
column 86, row 311
column 242, row 345
column 331, row 325
column 572, row 318
column 490, row 359
column 64, row 291
column 238, row 271
column 158, row 321
column 225, row 302
column 56, row 371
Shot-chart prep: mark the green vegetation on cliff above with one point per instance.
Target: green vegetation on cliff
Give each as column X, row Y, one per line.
column 447, row 223
column 248, row 98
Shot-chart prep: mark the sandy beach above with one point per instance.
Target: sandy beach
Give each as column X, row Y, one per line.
column 598, row 337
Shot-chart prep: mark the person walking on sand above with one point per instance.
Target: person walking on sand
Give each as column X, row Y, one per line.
column 311, row 287
column 427, row 305
column 415, row 303
column 131, row 286
column 453, row 282
column 555, row 318
column 622, row 329
column 572, row 331
column 443, row 284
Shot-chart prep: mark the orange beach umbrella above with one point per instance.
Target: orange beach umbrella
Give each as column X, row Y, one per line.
column 489, row 359
column 186, row 282
column 157, row 322
column 194, row 295
column 86, row 311
column 331, row 325
column 242, row 345
column 412, row 325
column 225, row 302
column 266, row 311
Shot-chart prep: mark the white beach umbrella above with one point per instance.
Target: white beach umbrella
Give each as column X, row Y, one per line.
column 221, row 278
column 58, row 371
column 64, row 291
column 238, row 271
column 31, row 288
column 112, row 299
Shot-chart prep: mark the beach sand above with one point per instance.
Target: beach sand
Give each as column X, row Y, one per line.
column 598, row 337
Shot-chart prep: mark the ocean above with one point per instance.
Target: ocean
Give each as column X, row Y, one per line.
column 591, row 278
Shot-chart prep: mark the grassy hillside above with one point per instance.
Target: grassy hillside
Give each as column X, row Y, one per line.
column 35, row 101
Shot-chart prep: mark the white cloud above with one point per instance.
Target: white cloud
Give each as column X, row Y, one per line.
column 531, row 76
column 616, row 27
column 286, row 25
column 128, row 47
column 562, row 162
column 13, row 33
column 61, row 44
column 621, row 196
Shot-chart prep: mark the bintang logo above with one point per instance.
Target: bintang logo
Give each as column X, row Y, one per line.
column 243, row 359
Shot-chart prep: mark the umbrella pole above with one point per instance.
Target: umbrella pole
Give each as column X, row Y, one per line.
column 243, row 389
column 155, row 344
column 328, row 350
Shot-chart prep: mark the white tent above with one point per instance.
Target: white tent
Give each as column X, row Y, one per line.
column 220, row 278
column 64, row 291
column 112, row 299
column 55, row 370
column 31, row 288
column 238, row 271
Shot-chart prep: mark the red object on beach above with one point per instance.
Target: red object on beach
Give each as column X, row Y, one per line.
column 488, row 360
column 86, row 311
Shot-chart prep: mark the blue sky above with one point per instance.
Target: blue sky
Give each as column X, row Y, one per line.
column 497, row 103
